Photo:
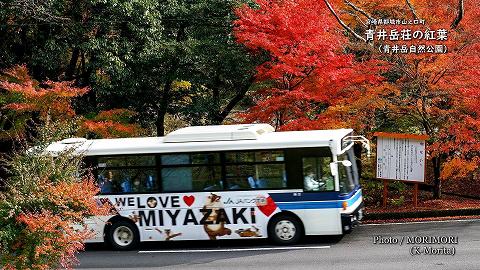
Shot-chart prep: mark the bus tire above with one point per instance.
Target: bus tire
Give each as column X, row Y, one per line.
column 123, row 235
column 285, row 230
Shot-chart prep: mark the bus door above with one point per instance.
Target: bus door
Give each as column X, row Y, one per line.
column 309, row 169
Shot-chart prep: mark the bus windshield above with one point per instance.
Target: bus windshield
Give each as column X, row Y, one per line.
column 348, row 176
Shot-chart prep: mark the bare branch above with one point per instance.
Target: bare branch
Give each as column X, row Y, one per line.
column 459, row 15
column 342, row 23
column 436, row 78
column 357, row 18
column 307, row 73
column 358, row 9
column 412, row 9
column 40, row 10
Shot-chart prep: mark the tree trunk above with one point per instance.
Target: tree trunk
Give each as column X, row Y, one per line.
column 160, row 122
column 162, row 109
column 437, row 184
column 216, row 118
column 169, row 78
column 459, row 16
column 241, row 93
column 72, row 64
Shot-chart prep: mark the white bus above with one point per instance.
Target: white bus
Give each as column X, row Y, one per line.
column 224, row 182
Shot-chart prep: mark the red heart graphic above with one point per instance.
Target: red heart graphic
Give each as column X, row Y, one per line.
column 268, row 208
column 188, row 200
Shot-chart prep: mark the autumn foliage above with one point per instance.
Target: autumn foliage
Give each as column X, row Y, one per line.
column 296, row 50
column 49, row 98
column 47, row 198
column 44, row 206
column 111, row 124
column 27, row 100
column 432, row 93
column 47, row 238
column 323, row 73
column 308, row 69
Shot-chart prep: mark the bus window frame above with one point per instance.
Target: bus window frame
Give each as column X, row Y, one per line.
column 225, row 164
column 318, row 191
column 350, row 170
column 292, row 157
column 93, row 160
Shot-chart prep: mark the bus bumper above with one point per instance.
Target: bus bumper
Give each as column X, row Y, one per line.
column 351, row 220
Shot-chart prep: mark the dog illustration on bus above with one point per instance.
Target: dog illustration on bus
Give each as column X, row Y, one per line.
column 215, row 207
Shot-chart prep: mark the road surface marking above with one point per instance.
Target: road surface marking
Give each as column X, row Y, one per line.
column 420, row 222
column 231, row 249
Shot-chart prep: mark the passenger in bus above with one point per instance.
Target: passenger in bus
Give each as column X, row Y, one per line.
column 256, row 183
column 105, row 183
column 137, row 187
column 252, row 182
column 150, row 185
column 310, row 183
column 126, row 185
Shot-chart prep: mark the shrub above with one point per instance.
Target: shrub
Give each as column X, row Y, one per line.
column 398, row 202
column 45, row 195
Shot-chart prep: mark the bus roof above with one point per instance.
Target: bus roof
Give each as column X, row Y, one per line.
column 205, row 139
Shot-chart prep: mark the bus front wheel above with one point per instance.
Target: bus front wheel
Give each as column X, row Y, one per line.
column 284, row 230
column 123, row 235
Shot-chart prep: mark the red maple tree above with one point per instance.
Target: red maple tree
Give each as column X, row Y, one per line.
column 324, row 72
column 26, row 99
column 114, row 123
column 308, row 67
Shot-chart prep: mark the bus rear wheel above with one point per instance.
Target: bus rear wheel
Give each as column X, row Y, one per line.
column 123, row 235
column 285, row 230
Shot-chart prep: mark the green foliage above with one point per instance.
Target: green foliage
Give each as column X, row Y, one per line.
column 129, row 53
column 397, row 187
column 398, row 202
column 195, row 45
column 372, row 192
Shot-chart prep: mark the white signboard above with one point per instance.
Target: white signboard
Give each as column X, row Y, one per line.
column 401, row 159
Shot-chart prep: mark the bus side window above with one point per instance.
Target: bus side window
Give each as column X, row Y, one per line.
column 191, row 172
column 127, row 174
column 317, row 175
column 127, row 181
column 255, row 170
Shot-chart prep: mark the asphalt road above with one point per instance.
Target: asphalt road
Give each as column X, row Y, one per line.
column 353, row 251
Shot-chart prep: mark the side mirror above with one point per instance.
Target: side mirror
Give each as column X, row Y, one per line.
column 334, row 167
column 346, row 163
